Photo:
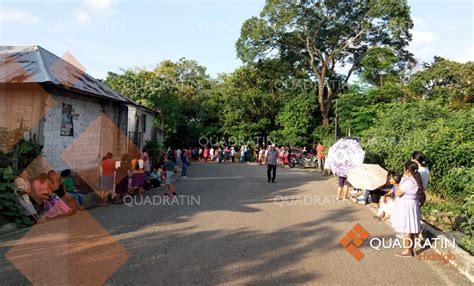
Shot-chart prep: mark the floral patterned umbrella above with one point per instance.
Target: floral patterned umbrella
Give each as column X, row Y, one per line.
column 343, row 155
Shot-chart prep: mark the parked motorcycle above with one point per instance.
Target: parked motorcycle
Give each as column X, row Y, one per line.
column 293, row 162
column 304, row 161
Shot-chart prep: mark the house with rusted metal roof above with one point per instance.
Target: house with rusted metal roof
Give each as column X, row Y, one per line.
column 77, row 118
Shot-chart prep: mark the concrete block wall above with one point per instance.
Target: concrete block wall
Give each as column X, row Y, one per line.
column 83, row 147
column 27, row 103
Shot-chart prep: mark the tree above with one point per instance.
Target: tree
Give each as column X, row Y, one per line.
column 296, row 121
column 319, row 36
column 445, row 80
column 378, row 66
column 178, row 89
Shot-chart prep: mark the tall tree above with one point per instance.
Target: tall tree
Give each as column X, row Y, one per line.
column 179, row 89
column 322, row 36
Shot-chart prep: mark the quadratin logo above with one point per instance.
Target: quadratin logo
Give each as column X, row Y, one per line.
column 353, row 240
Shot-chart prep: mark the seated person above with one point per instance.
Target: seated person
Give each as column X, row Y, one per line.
column 69, row 186
column 375, row 196
column 53, row 206
column 23, row 191
column 155, row 178
column 387, row 202
column 363, row 199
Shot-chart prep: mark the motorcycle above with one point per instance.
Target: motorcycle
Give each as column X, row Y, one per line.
column 304, row 161
column 293, row 162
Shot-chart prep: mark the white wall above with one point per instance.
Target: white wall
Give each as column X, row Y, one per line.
column 85, row 144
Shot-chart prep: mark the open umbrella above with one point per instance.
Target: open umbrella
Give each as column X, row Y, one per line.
column 367, row 176
column 343, row 155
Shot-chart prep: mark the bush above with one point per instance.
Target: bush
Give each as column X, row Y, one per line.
column 155, row 150
column 447, row 139
column 20, row 157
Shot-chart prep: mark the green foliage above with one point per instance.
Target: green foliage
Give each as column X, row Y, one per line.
column 379, row 66
column 23, row 154
column 356, row 110
column 155, row 150
column 448, row 81
column 181, row 90
column 319, row 36
column 324, row 134
column 296, row 121
column 447, row 139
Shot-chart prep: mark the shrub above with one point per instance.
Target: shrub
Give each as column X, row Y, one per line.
column 155, row 150
column 447, row 139
column 20, row 157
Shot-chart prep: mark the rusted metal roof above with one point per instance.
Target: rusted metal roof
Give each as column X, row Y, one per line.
column 34, row 64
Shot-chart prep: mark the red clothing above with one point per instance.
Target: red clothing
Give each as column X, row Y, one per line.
column 320, row 151
column 108, row 167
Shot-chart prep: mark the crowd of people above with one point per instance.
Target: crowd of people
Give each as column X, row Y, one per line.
column 399, row 201
column 54, row 195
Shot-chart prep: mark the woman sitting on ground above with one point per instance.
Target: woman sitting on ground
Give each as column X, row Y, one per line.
column 54, row 207
column 55, row 184
column 155, row 177
column 23, row 191
column 387, row 202
column 68, row 184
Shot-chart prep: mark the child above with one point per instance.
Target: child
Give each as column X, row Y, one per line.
column 155, row 178
column 387, row 201
column 170, row 168
column 69, row 186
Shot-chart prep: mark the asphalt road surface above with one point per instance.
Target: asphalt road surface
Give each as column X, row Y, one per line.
column 227, row 226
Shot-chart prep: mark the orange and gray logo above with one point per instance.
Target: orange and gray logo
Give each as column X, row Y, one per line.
column 353, row 240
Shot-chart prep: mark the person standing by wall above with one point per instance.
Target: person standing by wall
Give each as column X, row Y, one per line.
column 121, row 178
column 138, row 174
column 272, row 163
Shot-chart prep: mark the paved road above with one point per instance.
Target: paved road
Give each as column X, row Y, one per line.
column 239, row 229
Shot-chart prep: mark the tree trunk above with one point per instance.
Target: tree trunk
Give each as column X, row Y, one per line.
column 322, row 104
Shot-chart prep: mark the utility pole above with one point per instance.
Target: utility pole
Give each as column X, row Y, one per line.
column 336, row 121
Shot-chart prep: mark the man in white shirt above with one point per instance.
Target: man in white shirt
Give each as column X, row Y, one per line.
column 272, row 163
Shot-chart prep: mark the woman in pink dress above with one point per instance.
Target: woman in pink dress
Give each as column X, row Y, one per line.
column 406, row 212
column 54, row 207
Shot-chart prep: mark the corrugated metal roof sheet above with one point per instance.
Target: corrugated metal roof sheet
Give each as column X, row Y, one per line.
column 30, row 64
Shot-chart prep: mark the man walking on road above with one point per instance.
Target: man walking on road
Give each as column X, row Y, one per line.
column 272, row 163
